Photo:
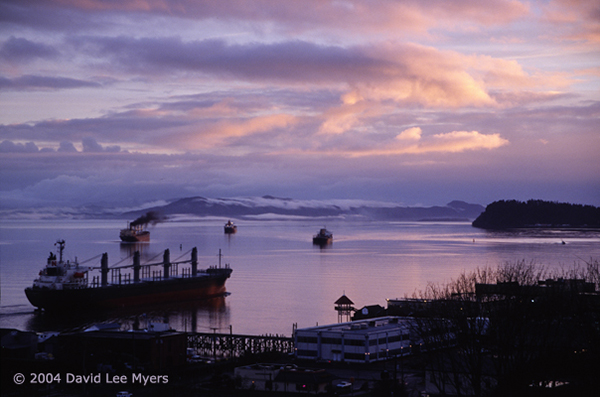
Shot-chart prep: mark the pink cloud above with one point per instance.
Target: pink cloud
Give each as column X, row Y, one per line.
column 413, row 133
column 575, row 19
column 459, row 141
column 414, row 75
column 450, row 142
column 219, row 133
column 340, row 119
column 408, row 142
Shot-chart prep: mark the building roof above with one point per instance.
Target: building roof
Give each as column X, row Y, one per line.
column 370, row 312
column 344, row 300
column 367, row 326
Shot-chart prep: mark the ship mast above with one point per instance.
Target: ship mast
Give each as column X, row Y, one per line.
column 61, row 247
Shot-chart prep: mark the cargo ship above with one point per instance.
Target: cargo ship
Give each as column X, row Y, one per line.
column 134, row 234
column 136, row 230
column 66, row 285
column 324, row 237
column 230, row 228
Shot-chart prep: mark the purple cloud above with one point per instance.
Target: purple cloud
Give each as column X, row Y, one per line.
column 11, row 147
column 91, row 146
column 23, row 50
column 67, row 147
column 34, row 82
column 290, row 61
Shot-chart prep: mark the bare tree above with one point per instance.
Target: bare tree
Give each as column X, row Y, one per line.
column 507, row 327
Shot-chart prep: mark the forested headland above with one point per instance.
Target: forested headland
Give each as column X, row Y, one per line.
column 537, row 213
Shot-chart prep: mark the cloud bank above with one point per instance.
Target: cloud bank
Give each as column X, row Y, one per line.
column 404, row 101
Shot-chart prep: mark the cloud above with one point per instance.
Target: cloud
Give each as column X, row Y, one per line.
column 22, row 50
column 143, row 128
column 413, row 75
column 410, row 134
column 46, row 16
column 343, row 118
column 405, row 73
column 36, row 82
column 459, row 141
column 574, row 19
column 290, row 61
column 91, row 146
column 411, row 142
column 67, row 147
column 11, row 147
column 223, row 131
column 292, row 17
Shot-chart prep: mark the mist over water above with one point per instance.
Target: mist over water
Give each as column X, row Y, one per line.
column 279, row 277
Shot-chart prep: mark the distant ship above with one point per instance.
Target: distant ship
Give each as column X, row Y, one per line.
column 136, row 230
column 134, row 234
column 65, row 285
column 324, row 237
column 230, row 228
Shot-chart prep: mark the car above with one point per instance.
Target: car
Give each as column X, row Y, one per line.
column 343, row 388
column 195, row 359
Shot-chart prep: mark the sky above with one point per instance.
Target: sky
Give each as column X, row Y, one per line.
column 419, row 102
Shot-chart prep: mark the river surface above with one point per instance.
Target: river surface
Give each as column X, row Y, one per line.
column 279, row 278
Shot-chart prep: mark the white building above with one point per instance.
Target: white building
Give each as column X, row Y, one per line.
column 363, row 341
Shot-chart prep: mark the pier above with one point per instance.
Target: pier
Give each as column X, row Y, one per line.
column 228, row 345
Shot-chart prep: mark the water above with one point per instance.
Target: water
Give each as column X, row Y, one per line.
column 279, row 278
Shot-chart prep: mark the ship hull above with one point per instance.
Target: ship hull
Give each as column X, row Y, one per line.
column 322, row 240
column 134, row 294
column 134, row 238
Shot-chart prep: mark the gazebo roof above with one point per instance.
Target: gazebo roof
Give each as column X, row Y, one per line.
column 344, row 300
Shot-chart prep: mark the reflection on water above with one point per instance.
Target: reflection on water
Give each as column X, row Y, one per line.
column 128, row 249
column 548, row 236
column 193, row 316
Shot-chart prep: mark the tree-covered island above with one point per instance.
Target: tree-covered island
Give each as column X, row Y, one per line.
column 537, row 213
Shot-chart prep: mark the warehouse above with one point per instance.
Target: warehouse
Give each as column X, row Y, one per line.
column 368, row 340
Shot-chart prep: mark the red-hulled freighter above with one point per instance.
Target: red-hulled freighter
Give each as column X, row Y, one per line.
column 65, row 285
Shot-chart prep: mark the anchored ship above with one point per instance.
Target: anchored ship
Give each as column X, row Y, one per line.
column 134, row 233
column 66, row 285
column 230, row 228
column 324, row 237
column 136, row 230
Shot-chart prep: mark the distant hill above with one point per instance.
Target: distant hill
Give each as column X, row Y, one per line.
column 269, row 206
column 537, row 213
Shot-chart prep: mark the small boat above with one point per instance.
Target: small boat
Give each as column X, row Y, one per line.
column 134, row 234
column 67, row 286
column 324, row 237
column 230, row 228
